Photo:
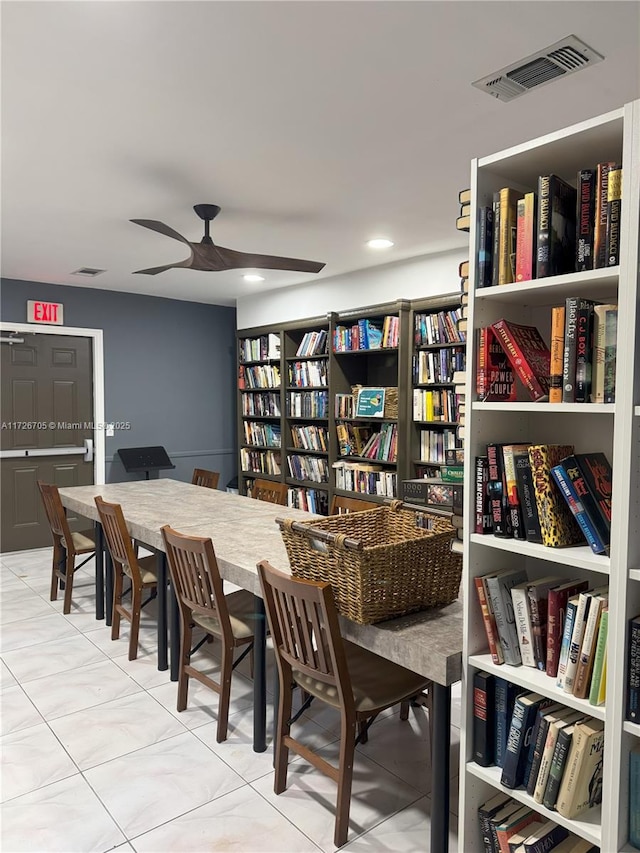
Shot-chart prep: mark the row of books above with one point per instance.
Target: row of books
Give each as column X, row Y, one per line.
column 266, row 405
column 554, row 752
column 434, row 444
column 260, row 461
column 439, row 328
column 258, row 376
column 312, row 468
column 552, row 624
column 438, row 366
column 261, row 434
column 365, row 478
column 382, row 445
column 440, row 405
column 263, row 348
column 367, row 334
column 352, row 438
column 506, row 349
column 553, row 231
column 544, row 493
column 308, row 373
column 506, row 826
column 313, row 343
column 308, row 404
column 310, row 500
column 310, row 438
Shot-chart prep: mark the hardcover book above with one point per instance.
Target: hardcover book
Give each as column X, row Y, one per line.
column 514, row 824
column 556, row 250
column 538, row 735
column 557, row 354
column 557, row 722
column 588, row 647
column 581, row 786
column 522, row 616
column 514, row 507
column 506, row 694
column 602, row 208
column 495, row 380
column 489, row 621
column 567, row 633
column 560, row 736
column 483, row 521
column 585, row 219
column 529, row 356
column 546, row 838
column 526, row 237
column 600, row 526
column 537, row 593
column 610, row 353
column 584, row 353
column 526, row 493
column 596, row 471
column 573, row 306
column 575, row 505
column 483, row 718
column 579, row 624
column 600, row 313
column 558, row 526
column 495, row 252
column 524, row 716
column 633, row 671
column 507, row 230
column 614, row 204
column 557, row 605
column 496, row 487
column 499, row 586
column 487, row 810
column 599, row 660
column 485, row 247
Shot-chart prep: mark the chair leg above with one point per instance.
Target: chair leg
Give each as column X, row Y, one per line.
column 117, row 600
column 136, row 610
column 225, row 693
column 404, row 709
column 186, row 633
column 345, row 779
column 58, row 562
column 68, row 582
column 362, row 731
column 283, row 729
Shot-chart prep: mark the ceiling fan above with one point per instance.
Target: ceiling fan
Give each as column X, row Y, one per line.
column 205, row 255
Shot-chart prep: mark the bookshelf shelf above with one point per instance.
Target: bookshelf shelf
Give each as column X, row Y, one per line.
column 310, row 420
column 261, row 446
column 435, row 384
column 446, row 345
column 261, row 417
column 376, row 351
column 588, row 827
column 367, row 460
column 578, row 557
column 251, row 475
column 631, row 728
column 292, row 359
column 306, row 388
column 307, row 484
column 452, row 424
column 551, row 408
column 306, row 450
column 601, row 283
column 538, row 682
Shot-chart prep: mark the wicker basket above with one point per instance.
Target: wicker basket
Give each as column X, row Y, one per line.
column 379, row 563
column 390, row 400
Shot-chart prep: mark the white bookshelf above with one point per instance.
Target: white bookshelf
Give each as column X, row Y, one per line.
column 613, row 429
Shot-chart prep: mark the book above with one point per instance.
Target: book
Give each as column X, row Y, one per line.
column 599, row 525
column 499, row 587
column 526, row 237
column 558, row 527
column 556, row 609
column 573, row 844
column 495, row 250
column 501, row 817
column 526, row 493
column 577, row 633
column 463, row 223
column 529, row 356
column 600, row 221
column 483, row 718
column 485, row 811
column 516, row 841
column 522, row 616
column 555, row 723
column 495, row 380
column 524, row 714
column 573, row 305
column 610, row 352
column 634, row 797
column 560, row 736
column 546, row 838
column 632, row 711
column 588, row 647
column 500, row 518
column 511, row 485
column 585, row 214
column 567, row 633
column 507, row 231
column 537, row 593
column 556, row 354
column 483, row 521
column 596, row 471
column 556, row 244
column 574, row 503
column 599, row 349
column 515, row 823
column 581, row 786
column 538, row 736
column 614, row 206
column 506, row 693
column 599, row 660
column 485, row 246
column 584, row 352
column 464, row 196
column 489, row 621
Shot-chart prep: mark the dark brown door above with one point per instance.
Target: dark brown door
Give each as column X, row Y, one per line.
column 47, row 414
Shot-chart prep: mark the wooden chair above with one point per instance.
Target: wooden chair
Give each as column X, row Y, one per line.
column 202, row 603
column 202, row 477
column 269, row 490
column 141, row 572
column 340, row 505
column 66, row 545
column 311, row 653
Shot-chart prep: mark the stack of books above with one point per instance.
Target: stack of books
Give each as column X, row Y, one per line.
column 463, row 221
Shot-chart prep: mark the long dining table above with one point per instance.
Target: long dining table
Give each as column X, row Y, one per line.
column 244, row 531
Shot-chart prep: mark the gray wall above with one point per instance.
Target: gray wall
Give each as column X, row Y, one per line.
column 169, row 369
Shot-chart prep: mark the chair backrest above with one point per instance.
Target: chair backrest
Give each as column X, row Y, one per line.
column 117, row 536
column 195, row 576
column 340, row 504
column 304, row 626
column 202, row 477
column 55, row 514
column 269, row 490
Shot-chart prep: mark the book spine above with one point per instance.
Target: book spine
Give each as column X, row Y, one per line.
column 523, row 624
column 597, row 474
column 530, row 226
column 483, row 522
column 488, row 620
column 557, row 767
column 587, row 650
column 597, row 358
column 526, row 492
column 610, row 352
column 482, row 366
column 507, row 236
column 583, row 763
column 569, row 353
column 599, row 658
column 520, row 259
column 633, row 672
column 539, row 738
column 544, row 227
column 575, row 477
column 567, row 631
column 575, row 505
column 585, row 220
column 614, row 205
column 495, row 251
column 557, row 605
column 546, row 760
column 485, row 247
column 520, row 363
column 577, row 634
column 584, row 345
column 634, row 797
column 505, row 696
column 500, row 597
column 496, row 492
column 519, row 722
column 483, row 719
column 538, row 609
column 513, row 501
column 557, row 354
column 602, row 207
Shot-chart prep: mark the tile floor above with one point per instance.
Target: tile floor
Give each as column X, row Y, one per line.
column 95, row 757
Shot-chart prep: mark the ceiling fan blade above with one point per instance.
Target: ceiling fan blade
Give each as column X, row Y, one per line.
column 155, row 270
column 161, row 228
column 246, row 260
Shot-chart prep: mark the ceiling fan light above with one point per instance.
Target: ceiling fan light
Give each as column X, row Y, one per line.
column 380, row 243
column 252, row 277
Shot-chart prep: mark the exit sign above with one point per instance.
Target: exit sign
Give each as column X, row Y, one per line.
column 44, row 312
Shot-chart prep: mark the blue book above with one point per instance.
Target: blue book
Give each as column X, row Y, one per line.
column 634, row 797
column 569, row 619
column 568, row 491
column 505, row 697
column 522, row 722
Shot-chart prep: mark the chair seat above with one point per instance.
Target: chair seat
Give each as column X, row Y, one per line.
column 83, row 542
column 377, row 683
column 242, row 611
column 147, row 569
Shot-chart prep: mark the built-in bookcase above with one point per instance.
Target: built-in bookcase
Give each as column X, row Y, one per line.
column 611, row 428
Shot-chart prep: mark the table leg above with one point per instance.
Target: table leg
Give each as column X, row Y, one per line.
column 440, row 767
column 108, row 587
column 259, row 678
column 161, row 573
column 174, row 633
column 99, row 539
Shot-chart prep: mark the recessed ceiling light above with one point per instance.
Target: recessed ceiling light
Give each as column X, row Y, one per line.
column 380, row 243
column 252, row 277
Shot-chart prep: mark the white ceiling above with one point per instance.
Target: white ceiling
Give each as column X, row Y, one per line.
column 314, row 125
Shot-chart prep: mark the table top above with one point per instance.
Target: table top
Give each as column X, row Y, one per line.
column 244, row 532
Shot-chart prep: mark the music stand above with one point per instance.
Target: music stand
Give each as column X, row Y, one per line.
column 145, row 459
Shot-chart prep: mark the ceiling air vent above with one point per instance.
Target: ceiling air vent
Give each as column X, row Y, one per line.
column 90, row 272
column 559, row 59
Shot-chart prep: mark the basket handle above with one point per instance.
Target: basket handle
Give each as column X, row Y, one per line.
column 337, row 539
column 395, row 504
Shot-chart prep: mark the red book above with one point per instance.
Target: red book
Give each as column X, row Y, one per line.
column 556, row 611
column 495, row 380
column 529, row 356
column 489, row 623
column 525, row 240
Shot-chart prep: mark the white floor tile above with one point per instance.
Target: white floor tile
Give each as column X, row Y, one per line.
column 147, row 639
column 144, row 670
column 18, row 712
column 53, row 657
column 6, row 677
column 66, row 817
column 163, row 781
column 107, row 731
column 223, row 825
column 30, row 632
column 32, row 758
column 16, row 607
column 56, row 695
column 407, row 831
